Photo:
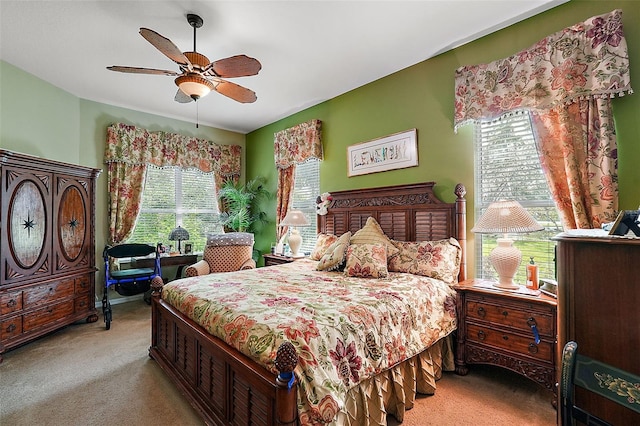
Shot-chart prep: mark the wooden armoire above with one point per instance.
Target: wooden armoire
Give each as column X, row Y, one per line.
column 599, row 309
column 47, row 246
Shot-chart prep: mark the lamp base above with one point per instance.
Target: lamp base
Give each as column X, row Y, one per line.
column 505, row 259
column 297, row 255
column 504, row 286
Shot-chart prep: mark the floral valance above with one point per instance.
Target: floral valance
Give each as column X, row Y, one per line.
column 589, row 59
column 134, row 145
column 297, row 144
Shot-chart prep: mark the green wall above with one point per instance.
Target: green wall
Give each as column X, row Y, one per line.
column 46, row 121
column 40, row 119
column 422, row 97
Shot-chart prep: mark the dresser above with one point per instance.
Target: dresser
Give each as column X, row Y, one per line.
column 47, row 247
column 508, row 329
column 599, row 308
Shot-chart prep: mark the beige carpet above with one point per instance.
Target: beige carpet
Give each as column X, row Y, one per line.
column 85, row 375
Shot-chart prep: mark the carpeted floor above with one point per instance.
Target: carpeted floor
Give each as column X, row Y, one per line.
column 85, row 375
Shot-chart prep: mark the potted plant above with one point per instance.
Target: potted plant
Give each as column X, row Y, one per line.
column 241, row 205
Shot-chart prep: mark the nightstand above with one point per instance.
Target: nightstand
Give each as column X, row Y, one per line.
column 276, row 259
column 499, row 327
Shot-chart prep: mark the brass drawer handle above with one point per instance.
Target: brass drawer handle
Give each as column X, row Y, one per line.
column 481, row 312
column 505, row 313
column 11, row 328
column 11, row 303
column 481, row 335
column 531, row 322
column 505, row 337
column 533, row 348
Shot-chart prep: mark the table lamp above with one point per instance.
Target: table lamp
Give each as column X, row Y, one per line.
column 506, row 217
column 179, row 234
column 293, row 219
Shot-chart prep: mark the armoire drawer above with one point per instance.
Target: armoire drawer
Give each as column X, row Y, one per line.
column 47, row 315
column 10, row 302
column 48, row 293
column 10, row 327
column 82, row 285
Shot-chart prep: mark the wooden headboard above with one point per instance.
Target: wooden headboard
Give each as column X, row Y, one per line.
column 405, row 213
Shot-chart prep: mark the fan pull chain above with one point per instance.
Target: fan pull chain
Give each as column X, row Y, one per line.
column 197, row 117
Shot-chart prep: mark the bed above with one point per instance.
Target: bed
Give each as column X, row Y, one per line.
column 248, row 380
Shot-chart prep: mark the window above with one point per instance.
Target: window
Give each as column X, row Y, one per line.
column 175, row 197
column 305, row 192
column 507, row 167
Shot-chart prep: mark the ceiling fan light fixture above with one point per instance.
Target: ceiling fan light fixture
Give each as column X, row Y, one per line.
column 194, row 86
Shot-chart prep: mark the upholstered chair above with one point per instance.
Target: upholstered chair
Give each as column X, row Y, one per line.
column 225, row 253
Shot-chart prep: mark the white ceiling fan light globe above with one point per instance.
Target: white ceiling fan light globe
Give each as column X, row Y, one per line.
column 194, row 86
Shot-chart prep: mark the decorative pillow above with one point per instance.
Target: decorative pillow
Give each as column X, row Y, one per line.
column 436, row 259
column 323, row 242
column 372, row 233
column 333, row 258
column 366, row 261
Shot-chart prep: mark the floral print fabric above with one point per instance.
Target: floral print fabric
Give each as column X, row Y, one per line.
column 345, row 329
column 297, row 144
column 589, row 59
column 366, row 261
column 323, row 242
column 134, row 145
column 437, row 259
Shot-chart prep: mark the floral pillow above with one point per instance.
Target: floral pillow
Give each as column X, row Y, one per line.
column 323, row 242
column 334, row 257
column 366, row 261
column 372, row 233
column 436, row 259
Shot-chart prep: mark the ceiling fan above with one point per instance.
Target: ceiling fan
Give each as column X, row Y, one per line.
column 198, row 76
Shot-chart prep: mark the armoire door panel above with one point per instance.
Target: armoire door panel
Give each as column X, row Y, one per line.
column 28, row 229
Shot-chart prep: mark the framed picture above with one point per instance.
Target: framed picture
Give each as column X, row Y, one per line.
column 397, row 151
column 188, row 248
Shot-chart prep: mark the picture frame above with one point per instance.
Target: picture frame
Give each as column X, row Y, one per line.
column 396, row 151
column 188, row 248
column 626, row 221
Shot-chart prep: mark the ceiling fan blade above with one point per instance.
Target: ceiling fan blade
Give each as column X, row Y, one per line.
column 182, row 97
column 167, row 47
column 235, row 66
column 138, row 70
column 235, row 91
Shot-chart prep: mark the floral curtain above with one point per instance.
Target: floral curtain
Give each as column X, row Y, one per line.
column 130, row 149
column 292, row 146
column 566, row 80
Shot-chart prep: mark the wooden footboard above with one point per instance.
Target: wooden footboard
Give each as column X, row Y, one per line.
column 222, row 384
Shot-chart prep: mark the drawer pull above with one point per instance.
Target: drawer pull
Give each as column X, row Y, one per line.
column 533, row 348
column 534, row 329
column 481, row 335
column 505, row 313
column 11, row 303
column 505, row 337
column 11, row 328
column 481, row 312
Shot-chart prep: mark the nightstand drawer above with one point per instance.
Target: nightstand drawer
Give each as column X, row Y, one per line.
column 514, row 315
column 518, row 345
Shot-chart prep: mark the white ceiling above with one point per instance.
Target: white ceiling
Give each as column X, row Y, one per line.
column 310, row 51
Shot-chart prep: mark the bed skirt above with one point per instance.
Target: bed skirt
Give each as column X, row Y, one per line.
column 394, row 391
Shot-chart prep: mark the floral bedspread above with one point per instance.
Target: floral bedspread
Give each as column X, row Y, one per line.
column 345, row 329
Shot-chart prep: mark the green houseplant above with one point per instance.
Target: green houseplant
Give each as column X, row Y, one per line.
column 241, row 205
